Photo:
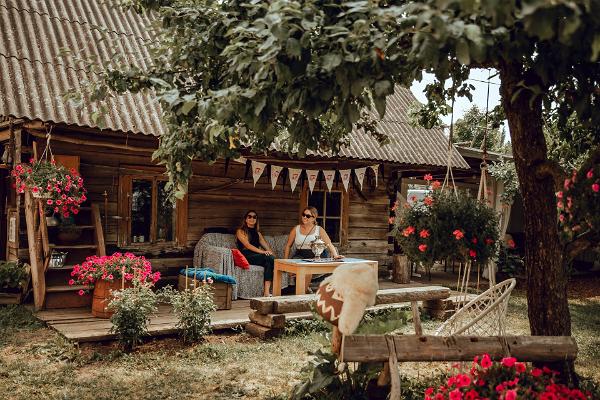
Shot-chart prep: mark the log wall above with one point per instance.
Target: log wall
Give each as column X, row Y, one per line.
column 219, row 198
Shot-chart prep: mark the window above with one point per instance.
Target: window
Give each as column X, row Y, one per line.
column 329, row 205
column 149, row 215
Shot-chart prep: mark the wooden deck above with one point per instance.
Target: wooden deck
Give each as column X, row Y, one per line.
column 78, row 324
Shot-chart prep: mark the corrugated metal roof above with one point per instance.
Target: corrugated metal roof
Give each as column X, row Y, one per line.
column 35, row 74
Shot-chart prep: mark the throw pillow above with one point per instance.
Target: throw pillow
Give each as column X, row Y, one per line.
column 239, row 260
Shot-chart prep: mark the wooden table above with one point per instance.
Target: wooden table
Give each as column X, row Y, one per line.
column 302, row 268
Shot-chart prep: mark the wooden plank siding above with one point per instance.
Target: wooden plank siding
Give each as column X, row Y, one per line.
column 219, row 198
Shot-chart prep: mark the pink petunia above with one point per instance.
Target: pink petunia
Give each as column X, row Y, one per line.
column 509, row 361
column 596, row 187
column 428, row 177
column 422, row 248
column 486, row 361
column 590, row 174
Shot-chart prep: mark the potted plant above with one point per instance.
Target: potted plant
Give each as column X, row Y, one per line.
column 445, row 224
column 61, row 188
column 107, row 273
column 14, row 279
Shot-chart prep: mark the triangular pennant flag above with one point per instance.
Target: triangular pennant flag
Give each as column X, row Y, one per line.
column 294, row 176
column 345, row 174
column 375, row 169
column 329, row 178
column 240, row 160
column 275, row 171
column 312, row 178
column 360, row 175
column 257, row 170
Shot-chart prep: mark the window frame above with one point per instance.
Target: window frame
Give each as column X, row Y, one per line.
column 125, row 212
column 344, row 211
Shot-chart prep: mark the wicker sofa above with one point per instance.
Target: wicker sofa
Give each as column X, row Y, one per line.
column 213, row 250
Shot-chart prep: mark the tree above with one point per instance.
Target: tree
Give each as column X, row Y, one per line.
column 470, row 130
column 232, row 73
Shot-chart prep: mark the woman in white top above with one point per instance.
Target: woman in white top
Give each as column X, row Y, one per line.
column 303, row 235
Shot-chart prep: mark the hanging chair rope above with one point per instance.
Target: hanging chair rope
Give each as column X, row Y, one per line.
column 449, row 178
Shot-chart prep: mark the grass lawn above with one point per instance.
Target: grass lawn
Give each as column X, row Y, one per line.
column 36, row 363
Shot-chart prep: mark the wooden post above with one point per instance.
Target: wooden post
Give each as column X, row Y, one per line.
column 336, row 340
column 100, row 245
column 401, row 269
column 37, row 267
column 416, row 318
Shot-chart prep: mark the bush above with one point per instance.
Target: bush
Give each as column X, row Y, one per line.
column 509, row 261
column 13, row 275
column 133, row 308
column 507, row 380
column 192, row 308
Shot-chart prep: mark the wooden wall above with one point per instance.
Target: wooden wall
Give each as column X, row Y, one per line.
column 219, row 198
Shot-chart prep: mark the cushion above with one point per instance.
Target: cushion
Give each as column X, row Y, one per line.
column 239, row 260
column 204, row 273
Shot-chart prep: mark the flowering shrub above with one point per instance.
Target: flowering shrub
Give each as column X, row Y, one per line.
column 444, row 225
column 132, row 310
column 112, row 268
column 62, row 188
column 505, row 380
column 579, row 203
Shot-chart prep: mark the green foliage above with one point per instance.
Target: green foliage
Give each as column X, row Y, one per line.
column 192, row 308
column 13, row 275
column 570, row 144
column 470, row 130
column 303, row 327
column 504, row 171
column 510, row 262
column 447, row 225
column 132, row 310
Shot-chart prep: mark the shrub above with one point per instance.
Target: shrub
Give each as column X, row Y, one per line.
column 132, row 310
column 507, row 380
column 192, row 308
column 13, row 275
column 509, row 260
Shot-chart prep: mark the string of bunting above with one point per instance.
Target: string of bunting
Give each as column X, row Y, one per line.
column 312, row 175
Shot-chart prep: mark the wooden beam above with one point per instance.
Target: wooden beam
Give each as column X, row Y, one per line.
column 289, row 304
column 37, row 267
column 89, row 142
column 373, row 348
column 98, row 231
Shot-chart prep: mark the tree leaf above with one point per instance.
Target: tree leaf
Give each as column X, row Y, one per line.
column 383, row 88
column 187, row 107
column 462, row 52
column 595, row 48
column 331, row 60
column 293, row 47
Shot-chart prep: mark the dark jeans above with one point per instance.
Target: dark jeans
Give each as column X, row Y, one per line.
column 267, row 262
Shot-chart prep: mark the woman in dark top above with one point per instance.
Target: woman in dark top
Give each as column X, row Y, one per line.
column 255, row 248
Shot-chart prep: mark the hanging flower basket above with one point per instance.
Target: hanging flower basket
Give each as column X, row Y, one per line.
column 61, row 188
column 444, row 225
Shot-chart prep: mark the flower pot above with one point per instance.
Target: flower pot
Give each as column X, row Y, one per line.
column 40, row 195
column 102, row 297
column 69, row 237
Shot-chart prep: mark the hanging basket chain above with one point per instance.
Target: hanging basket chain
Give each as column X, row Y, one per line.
column 48, row 150
column 449, row 178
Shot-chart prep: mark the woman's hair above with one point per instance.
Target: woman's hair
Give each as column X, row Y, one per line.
column 243, row 225
column 313, row 211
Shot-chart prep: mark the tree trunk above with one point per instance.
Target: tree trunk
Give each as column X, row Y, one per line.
column 548, row 308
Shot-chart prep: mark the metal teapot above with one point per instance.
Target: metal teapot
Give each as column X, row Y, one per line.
column 317, row 246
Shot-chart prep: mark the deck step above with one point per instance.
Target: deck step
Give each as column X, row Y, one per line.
column 74, row 226
column 73, row 246
column 64, row 288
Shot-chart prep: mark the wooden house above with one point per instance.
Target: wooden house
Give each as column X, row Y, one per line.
column 128, row 209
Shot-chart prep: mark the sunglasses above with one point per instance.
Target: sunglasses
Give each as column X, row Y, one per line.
column 307, row 215
column 251, row 216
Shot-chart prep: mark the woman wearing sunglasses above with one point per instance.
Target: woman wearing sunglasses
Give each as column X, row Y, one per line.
column 304, row 234
column 255, row 248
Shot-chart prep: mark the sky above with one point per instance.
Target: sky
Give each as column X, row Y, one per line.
column 462, row 104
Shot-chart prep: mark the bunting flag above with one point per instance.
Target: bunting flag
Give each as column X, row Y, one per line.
column 240, row 160
column 257, row 170
column 329, row 178
column 312, row 175
column 275, row 171
column 360, row 174
column 375, row 169
column 294, row 176
column 345, row 174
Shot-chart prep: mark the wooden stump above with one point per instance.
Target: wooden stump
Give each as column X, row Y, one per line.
column 401, row 269
column 262, row 332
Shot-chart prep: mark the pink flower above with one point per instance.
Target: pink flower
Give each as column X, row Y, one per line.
column 486, row 361
column 428, row 201
column 489, row 241
column 209, row 280
column 424, row 233
column 590, row 174
column 472, row 253
column 408, row 231
column 391, row 220
column 422, row 248
column 458, row 234
column 428, row 177
column 456, row 394
column 559, row 195
column 509, row 361
column 567, row 184
column 536, row 372
column 395, row 206
column 561, row 218
column 510, row 395
column 49, row 202
column 436, row 185
column 596, row 187
column 520, row 367
column 81, row 292
column 560, row 205
column 71, row 281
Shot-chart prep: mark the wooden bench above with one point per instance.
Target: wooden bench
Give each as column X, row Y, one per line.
column 268, row 316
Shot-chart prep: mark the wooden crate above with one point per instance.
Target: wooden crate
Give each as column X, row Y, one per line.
column 222, row 292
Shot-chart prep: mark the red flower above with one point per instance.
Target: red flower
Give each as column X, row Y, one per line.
column 486, row 361
column 391, row 220
column 489, row 241
column 472, row 253
column 428, row 177
column 590, row 174
column 559, row 195
column 510, row 395
column 436, row 185
column 458, row 234
column 428, row 201
column 408, row 231
column 596, row 187
column 422, row 248
column 456, row 394
column 509, row 361
column 511, row 243
column 474, row 240
column 424, row 233
column 536, row 372
column 520, row 367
